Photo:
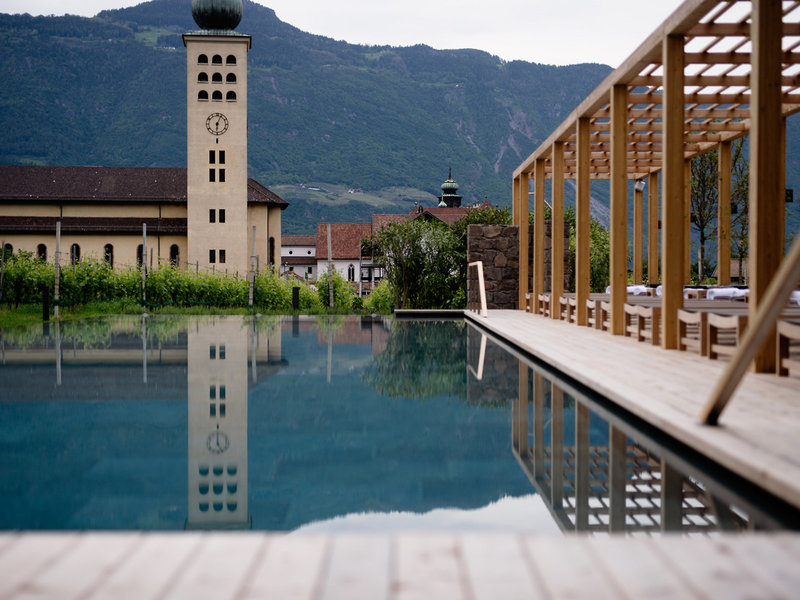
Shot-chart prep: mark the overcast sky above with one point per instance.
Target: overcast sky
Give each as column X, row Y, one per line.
column 543, row 31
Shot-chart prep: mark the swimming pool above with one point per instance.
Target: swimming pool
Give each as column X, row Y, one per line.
column 325, row 424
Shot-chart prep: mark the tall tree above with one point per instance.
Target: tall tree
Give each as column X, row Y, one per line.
column 705, row 197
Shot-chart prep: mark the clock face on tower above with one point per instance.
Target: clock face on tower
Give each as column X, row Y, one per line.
column 217, row 123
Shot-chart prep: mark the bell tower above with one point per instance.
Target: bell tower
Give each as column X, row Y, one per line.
column 216, row 135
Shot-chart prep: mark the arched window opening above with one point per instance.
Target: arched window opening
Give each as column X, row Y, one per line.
column 139, row 255
column 202, row 59
column 216, row 59
column 108, row 255
column 216, row 96
column 74, row 254
column 351, row 273
column 230, row 59
column 202, row 77
column 8, row 250
column 216, row 78
column 41, row 252
column 202, row 95
column 230, row 96
column 230, row 78
column 174, row 255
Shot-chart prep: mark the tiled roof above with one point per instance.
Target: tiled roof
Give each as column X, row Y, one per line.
column 381, row 220
column 298, row 240
column 108, row 184
column 299, row 260
column 345, row 239
column 258, row 194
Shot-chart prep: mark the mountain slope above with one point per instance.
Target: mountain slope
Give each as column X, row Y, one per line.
column 111, row 90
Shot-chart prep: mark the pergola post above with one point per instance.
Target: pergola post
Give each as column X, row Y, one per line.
column 766, row 160
column 619, row 207
column 538, row 229
column 672, row 196
column 687, row 221
column 724, row 213
column 638, row 231
column 652, row 228
column 582, row 221
column 557, row 247
column 522, row 209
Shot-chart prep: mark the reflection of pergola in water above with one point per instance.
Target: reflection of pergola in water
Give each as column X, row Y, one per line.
column 618, row 486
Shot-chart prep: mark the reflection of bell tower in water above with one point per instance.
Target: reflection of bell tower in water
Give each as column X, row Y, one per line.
column 217, row 376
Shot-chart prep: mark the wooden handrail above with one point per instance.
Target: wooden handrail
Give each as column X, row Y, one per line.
column 778, row 292
column 481, row 287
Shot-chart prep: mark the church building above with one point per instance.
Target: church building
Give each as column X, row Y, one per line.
column 206, row 217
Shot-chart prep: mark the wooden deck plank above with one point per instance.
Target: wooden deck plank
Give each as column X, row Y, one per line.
column 23, row 561
column 757, row 438
column 496, row 568
column 639, row 573
column 290, row 567
column 75, row 573
column 359, row 568
column 767, row 557
column 428, row 567
column 571, row 571
column 408, row 565
column 159, row 556
column 221, row 561
column 714, row 570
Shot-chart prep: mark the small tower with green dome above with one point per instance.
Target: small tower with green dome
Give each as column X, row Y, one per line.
column 450, row 197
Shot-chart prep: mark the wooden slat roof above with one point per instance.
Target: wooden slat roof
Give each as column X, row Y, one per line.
column 716, row 88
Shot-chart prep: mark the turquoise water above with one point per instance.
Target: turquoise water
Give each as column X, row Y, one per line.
column 313, row 424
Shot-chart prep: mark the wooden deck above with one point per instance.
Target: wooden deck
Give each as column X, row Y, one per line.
column 250, row 565
column 757, row 437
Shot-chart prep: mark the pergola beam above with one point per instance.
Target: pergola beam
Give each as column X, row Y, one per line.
column 766, row 195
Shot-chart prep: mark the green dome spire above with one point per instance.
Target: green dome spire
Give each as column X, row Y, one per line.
column 217, row 14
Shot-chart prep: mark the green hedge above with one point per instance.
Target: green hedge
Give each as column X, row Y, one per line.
column 25, row 277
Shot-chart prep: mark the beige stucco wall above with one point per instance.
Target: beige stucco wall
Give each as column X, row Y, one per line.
column 204, row 195
column 92, row 246
column 29, row 210
column 262, row 219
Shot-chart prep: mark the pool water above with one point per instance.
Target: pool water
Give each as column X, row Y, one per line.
column 321, row 424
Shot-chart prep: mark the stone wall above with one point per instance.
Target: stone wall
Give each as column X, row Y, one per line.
column 497, row 246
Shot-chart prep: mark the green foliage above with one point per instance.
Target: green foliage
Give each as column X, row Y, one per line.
column 342, row 292
column 432, row 364
column 423, row 263
column 599, row 253
column 380, row 299
column 91, row 281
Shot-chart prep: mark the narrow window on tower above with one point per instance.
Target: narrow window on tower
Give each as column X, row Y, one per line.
column 222, row 175
column 222, row 157
column 212, row 215
column 212, row 156
column 212, row 256
column 221, row 215
column 212, row 175
column 222, row 256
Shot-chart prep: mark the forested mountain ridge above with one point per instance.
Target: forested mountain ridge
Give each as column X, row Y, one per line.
column 111, row 90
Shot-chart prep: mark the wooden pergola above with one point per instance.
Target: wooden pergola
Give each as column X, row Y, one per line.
column 714, row 71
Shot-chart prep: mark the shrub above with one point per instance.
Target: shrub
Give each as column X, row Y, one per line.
column 380, row 299
column 342, row 292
